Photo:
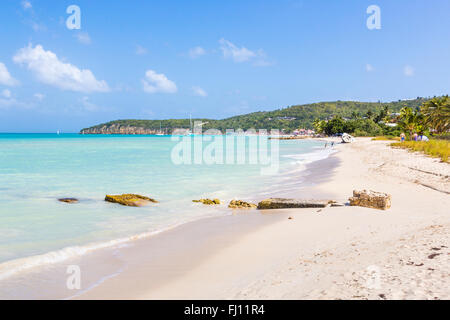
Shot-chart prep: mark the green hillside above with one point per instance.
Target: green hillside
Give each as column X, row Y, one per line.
column 289, row 119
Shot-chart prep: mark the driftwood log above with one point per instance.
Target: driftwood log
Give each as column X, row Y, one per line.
column 280, row 203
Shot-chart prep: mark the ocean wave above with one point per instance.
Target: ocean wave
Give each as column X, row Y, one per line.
column 302, row 159
column 13, row 267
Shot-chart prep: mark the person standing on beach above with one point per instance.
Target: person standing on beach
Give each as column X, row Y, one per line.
column 402, row 137
column 326, row 143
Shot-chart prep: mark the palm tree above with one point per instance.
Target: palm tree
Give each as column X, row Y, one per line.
column 410, row 120
column 437, row 113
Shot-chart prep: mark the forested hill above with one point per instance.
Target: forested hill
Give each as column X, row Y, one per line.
column 289, row 119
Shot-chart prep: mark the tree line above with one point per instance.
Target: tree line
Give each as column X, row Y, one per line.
column 358, row 118
column 432, row 117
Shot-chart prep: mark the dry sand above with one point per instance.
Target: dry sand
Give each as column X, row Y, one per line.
column 333, row 253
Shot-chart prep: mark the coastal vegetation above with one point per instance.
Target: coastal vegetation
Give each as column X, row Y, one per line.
column 362, row 116
column 432, row 117
column 386, row 138
column 436, row 113
column 436, row 148
column 385, row 121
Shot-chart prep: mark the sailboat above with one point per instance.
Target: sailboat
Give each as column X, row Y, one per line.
column 160, row 133
column 190, row 131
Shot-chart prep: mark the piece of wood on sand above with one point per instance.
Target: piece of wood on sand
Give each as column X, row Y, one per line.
column 281, row 203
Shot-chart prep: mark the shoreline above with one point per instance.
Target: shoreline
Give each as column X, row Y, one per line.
column 312, row 174
column 318, row 254
column 325, row 254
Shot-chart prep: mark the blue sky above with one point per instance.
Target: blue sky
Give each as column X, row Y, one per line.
column 214, row 59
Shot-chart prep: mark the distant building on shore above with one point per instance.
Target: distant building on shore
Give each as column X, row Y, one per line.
column 303, row 132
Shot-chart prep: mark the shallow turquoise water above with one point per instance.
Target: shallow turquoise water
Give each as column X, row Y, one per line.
column 37, row 169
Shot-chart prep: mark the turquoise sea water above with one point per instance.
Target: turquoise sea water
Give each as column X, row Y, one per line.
column 37, row 169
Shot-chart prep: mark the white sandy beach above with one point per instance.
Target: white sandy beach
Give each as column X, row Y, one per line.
column 333, row 253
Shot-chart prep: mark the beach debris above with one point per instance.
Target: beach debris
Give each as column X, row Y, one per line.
column 280, row 203
column 346, row 138
column 290, row 218
column 131, row 200
column 68, row 200
column 208, row 201
column 371, row 199
column 239, row 204
column 338, row 204
column 432, row 256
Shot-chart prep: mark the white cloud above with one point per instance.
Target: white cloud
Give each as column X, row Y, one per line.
column 37, row 26
column 6, row 103
column 196, row 52
column 31, row 18
column 50, row 70
column 408, row 71
column 261, row 61
column 7, row 100
column 199, row 92
column 242, row 54
column 369, row 68
column 140, row 51
column 155, row 82
column 229, row 50
column 5, row 76
column 39, row 96
column 83, row 37
column 88, row 105
column 6, row 93
column 26, row 4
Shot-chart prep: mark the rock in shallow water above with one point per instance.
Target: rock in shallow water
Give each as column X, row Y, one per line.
column 239, row 204
column 68, row 200
column 208, row 201
column 280, row 203
column 371, row 199
column 131, row 200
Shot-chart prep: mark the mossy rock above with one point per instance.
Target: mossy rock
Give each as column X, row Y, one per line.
column 68, row 200
column 239, row 204
column 131, row 200
column 208, row 201
column 371, row 199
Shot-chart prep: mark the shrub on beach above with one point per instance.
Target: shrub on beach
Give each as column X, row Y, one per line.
column 435, row 148
column 384, row 138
